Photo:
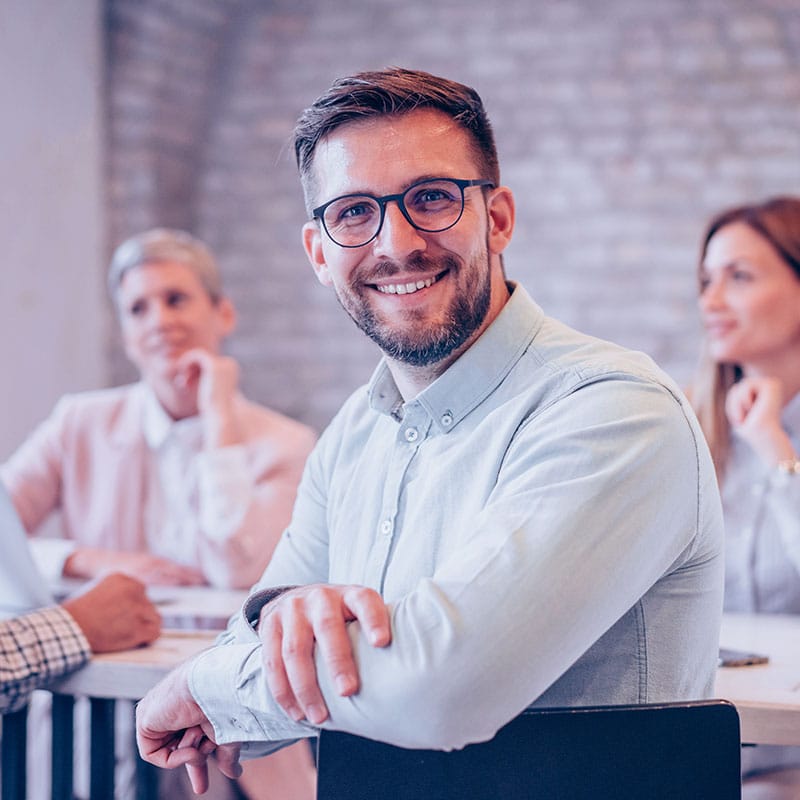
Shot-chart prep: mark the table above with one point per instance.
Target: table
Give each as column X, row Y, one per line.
column 192, row 617
column 767, row 696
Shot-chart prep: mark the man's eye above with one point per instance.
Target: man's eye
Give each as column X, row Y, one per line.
column 176, row 299
column 351, row 214
column 432, row 199
column 432, row 196
column 355, row 210
column 137, row 309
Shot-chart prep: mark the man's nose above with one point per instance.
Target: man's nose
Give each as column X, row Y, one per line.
column 161, row 313
column 397, row 237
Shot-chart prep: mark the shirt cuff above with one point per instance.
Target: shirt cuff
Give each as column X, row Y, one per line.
column 75, row 647
column 226, row 488
column 254, row 604
column 240, row 706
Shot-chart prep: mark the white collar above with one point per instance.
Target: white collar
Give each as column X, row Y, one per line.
column 158, row 426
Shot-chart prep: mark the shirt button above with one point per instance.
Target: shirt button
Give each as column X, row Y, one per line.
column 386, row 526
column 447, row 419
column 411, row 434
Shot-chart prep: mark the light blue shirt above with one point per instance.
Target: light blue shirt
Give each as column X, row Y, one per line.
column 543, row 520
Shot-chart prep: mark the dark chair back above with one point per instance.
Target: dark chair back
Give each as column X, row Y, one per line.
column 674, row 751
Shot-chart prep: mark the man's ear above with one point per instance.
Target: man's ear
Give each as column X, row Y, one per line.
column 502, row 213
column 227, row 316
column 312, row 244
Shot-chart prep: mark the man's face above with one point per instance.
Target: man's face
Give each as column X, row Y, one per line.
column 419, row 296
column 164, row 310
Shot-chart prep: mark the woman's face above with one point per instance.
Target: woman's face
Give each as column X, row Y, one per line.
column 749, row 300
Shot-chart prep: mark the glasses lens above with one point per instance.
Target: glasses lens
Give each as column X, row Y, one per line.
column 434, row 205
column 351, row 221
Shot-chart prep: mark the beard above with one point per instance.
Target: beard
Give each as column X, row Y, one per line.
column 421, row 343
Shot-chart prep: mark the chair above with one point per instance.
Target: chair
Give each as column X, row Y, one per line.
column 679, row 751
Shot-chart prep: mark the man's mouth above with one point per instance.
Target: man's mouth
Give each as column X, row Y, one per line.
column 409, row 287
column 165, row 347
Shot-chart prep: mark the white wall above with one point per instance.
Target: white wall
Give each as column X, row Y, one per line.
column 52, row 305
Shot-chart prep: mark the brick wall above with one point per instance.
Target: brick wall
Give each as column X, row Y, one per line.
column 621, row 126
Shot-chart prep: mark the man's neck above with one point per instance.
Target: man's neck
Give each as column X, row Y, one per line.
column 177, row 404
column 410, row 380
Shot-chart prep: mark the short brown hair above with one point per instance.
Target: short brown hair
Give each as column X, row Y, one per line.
column 393, row 91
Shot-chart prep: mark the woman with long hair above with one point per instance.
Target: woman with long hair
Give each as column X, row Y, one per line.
column 747, row 396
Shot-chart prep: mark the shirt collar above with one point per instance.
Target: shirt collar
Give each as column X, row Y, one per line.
column 476, row 374
column 158, row 426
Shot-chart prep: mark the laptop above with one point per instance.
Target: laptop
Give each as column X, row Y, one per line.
column 22, row 586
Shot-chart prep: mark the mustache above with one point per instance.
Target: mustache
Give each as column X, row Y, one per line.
column 416, row 263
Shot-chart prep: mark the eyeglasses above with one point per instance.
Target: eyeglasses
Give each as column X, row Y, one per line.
column 432, row 206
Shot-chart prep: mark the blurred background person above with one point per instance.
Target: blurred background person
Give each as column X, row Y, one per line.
column 747, row 396
column 177, row 478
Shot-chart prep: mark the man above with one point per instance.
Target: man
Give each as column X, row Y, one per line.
column 197, row 482
column 35, row 648
column 512, row 513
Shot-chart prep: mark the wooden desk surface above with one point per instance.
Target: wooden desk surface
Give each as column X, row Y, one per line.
column 767, row 696
column 193, row 617
column 129, row 674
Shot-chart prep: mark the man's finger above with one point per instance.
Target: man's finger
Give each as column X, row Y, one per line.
column 298, row 658
column 227, row 756
column 368, row 607
column 198, row 777
column 271, row 633
column 330, row 631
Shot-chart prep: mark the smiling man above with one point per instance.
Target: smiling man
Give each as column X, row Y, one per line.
column 510, row 514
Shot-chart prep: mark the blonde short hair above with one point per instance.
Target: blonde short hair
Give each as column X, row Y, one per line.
column 161, row 245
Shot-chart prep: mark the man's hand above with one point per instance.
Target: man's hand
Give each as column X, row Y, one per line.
column 215, row 378
column 115, row 614
column 90, row 562
column 753, row 407
column 173, row 731
column 295, row 622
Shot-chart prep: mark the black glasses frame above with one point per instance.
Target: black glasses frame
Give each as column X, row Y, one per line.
column 319, row 211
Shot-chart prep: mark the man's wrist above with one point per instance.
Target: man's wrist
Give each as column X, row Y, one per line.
column 257, row 601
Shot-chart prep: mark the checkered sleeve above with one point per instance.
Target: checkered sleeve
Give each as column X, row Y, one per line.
column 34, row 649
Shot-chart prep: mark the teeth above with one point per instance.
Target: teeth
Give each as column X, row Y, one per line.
column 405, row 288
